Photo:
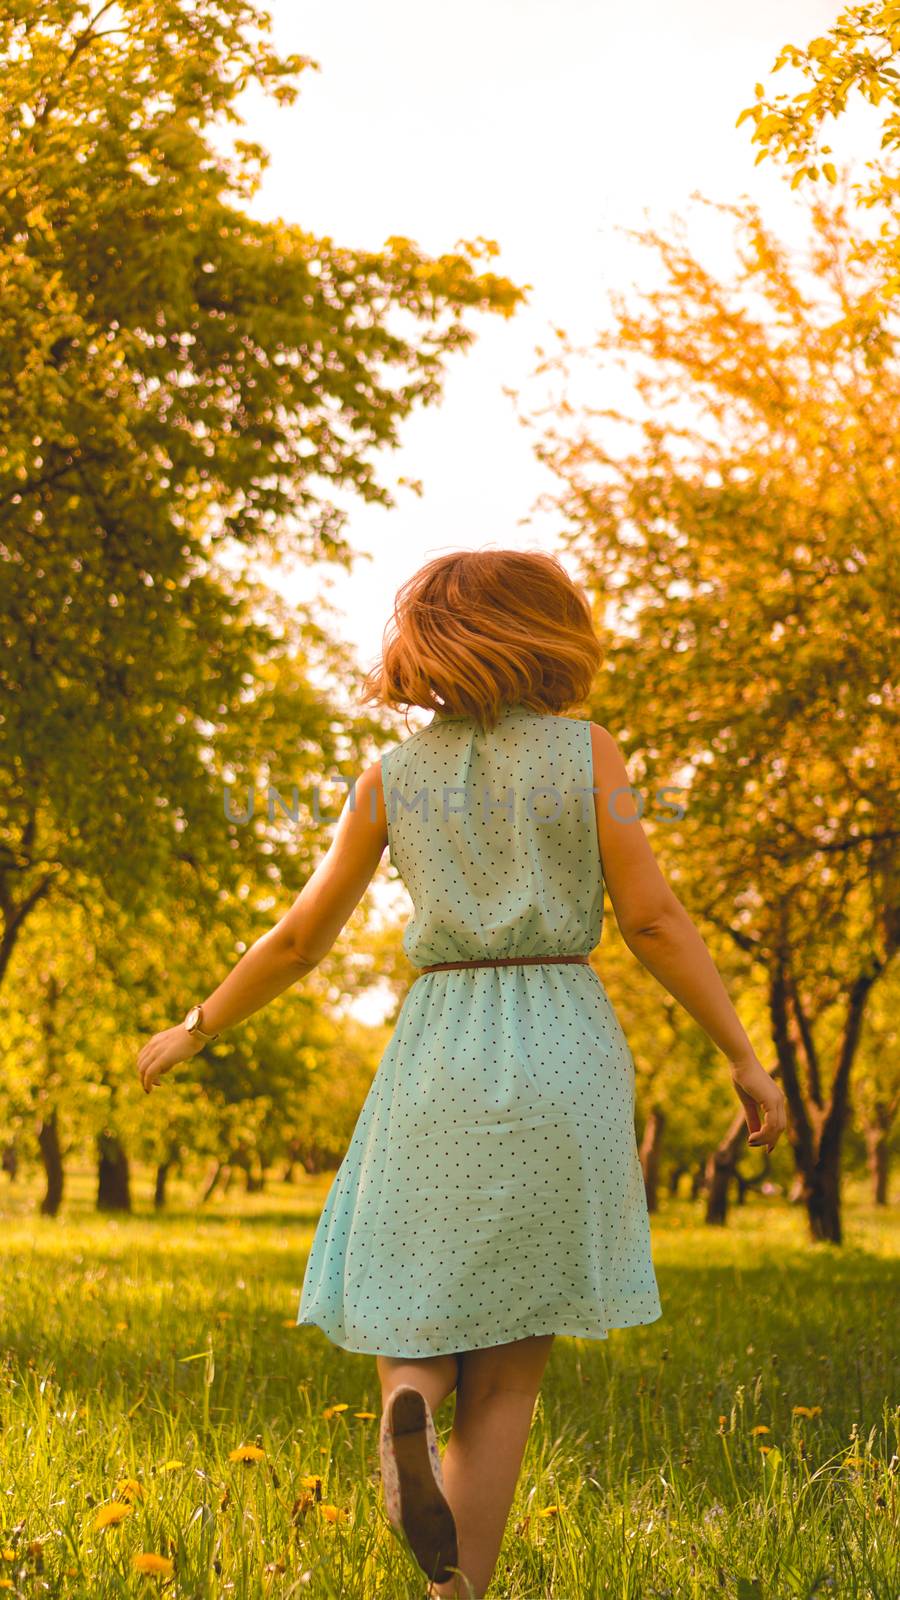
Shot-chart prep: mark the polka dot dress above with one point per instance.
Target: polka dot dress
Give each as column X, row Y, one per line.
column 492, row 1187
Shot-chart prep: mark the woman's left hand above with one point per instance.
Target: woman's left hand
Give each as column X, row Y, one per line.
column 163, row 1052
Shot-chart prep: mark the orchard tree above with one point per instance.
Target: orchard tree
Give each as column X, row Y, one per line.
column 743, row 559
column 182, row 388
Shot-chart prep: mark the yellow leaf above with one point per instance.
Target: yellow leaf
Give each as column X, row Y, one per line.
column 829, row 171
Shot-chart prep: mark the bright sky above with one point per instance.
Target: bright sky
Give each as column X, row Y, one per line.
column 543, row 124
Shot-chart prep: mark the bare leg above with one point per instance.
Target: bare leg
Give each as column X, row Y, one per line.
column 434, row 1376
column 495, row 1400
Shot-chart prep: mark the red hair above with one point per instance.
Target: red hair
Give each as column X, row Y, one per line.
column 479, row 630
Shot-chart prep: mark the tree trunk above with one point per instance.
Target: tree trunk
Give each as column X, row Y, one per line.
column 212, row 1180
column 720, row 1169
column 113, row 1193
column 649, row 1154
column 51, row 1156
column 877, row 1132
column 676, row 1174
column 10, row 1161
column 816, row 1131
column 698, row 1180
column 159, row 1191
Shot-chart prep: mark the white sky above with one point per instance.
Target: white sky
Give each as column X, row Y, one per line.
column 543, row 124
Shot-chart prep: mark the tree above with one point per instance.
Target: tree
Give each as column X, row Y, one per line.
column 181, row 388
column 857, row 53
column 743, row 559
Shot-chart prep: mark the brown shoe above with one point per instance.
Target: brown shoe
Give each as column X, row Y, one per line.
column 413, row 1483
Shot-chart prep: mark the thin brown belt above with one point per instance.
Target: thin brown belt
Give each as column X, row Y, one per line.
column 504, row 961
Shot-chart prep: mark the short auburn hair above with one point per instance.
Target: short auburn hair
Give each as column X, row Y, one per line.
column 478, row 630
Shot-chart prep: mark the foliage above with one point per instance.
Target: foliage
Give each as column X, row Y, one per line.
column 857, row 56
column 741, row 556
column 181, row 388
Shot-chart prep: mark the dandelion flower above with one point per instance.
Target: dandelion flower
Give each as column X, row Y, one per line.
column 6, row 1583
column 130, row 1489
column 109, row 1515
column 806, row 1411
column 247, row 1452
column 332, row 1513
column 365, row 1416
column 9, row 1555
column 312, row 1481
column 332, row 1411
column 760, row 1428
column 171, row 1466
column 549, row 1511
column 148, row 1562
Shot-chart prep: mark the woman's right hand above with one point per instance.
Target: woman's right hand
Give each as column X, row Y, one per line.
column 758, row 1092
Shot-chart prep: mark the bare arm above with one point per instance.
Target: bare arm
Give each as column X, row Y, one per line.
column 296, row 944
column 658, row 931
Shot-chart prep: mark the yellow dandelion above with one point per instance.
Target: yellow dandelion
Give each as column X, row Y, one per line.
column 109, row 1515
column 130, row 1489
column 289, row 1323
column 722, row 1421
column 764, row 1449
column 332, row 1513
column 171, row 1466
column 148, row 1562
column 806, row 1411
column 854, row 1461
column 760, row 1428
column 366, row 1416
column 313, row 1481
column 549, row 1511
column 9, row 1555
column 332, row 1411
column 6, row 1583
column 121, row 1327
column 247, row 1452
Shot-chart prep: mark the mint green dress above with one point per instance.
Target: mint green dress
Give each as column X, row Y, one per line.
column 492, row 1187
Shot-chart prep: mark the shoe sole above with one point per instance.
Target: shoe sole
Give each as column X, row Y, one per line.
column 425, row 1515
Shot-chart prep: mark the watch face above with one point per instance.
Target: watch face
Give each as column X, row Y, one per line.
column 192, row 1018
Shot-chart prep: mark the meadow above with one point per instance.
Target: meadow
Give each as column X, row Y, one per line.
column 166, row 1427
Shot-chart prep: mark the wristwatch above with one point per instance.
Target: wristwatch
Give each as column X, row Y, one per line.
column 192, row 1022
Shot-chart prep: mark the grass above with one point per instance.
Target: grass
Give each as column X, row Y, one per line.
column 136, row 1354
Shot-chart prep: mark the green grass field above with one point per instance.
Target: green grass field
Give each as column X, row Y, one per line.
column 666, row 1461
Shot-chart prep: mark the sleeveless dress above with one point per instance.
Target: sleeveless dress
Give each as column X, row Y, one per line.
column 492, row 1187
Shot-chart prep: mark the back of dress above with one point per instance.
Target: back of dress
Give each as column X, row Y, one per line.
column 495, row 837
column 492, row 1188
